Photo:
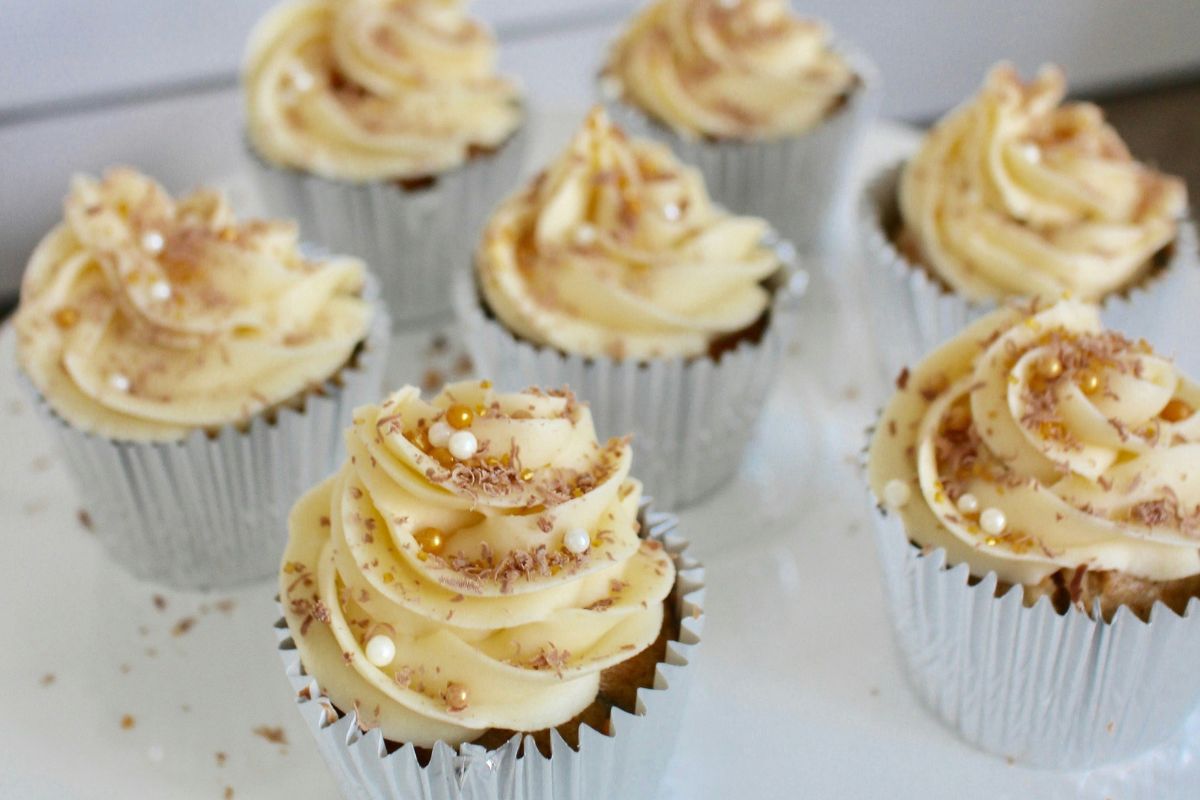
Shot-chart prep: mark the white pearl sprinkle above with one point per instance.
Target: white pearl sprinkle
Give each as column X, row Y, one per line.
column 440, row 433
column 153, row 242
column 993, row 521
column 119, row 382
column 463, row 445
column 381, row 650
column 896, row 493
column 584, row 235
column 160, row 290
column 1031, row 152
column 968, row 503
column 577, row 540
column 302, row 80
column 672, row 211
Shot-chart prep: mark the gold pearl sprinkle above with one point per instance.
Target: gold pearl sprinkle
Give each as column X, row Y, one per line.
column 527, row 475
column 1088, row 381
column 991, row 541
column 431, row 540
column 459, row 416
column 456, row 696
column 1050, row 367
column 1176, row 411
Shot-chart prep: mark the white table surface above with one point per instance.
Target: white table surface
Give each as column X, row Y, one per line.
column 798, row 690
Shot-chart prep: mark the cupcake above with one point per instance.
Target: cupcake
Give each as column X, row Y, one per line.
column 1017, row 194
column 195, row 371
column 614, row 273
column 383, row 129
column 1038, row 481
column 480, row 592
column 767, row 106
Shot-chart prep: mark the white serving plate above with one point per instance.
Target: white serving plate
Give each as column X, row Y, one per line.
column 798, row 691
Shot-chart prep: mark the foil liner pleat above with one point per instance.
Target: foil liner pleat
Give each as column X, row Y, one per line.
column 691, row 419
column 795, row 183
column 912, row 313
column 1030, row 684
column 415, row 239
column 627, row 763
column 207, row 511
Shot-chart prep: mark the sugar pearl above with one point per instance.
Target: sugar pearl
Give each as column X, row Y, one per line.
column 440, row 433
column 577, row 541
column 457, row 697
column 153, row 242
column 672, row 211
column 1032, row 152
column 584, row 235
column 302, row 79
column 381, row 650
column 896, row 493
column 160, row 290
column 462, row 445
column 968, row 503
column 993, row 521
column 119, row 382
column 459, row 416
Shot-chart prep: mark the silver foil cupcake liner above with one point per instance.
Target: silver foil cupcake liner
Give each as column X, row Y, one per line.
column 627, row 763
column 210, row 511
column 691, row 419
column 1030, row 684
column 912, row 312
column 795, row 183
column 415, row 239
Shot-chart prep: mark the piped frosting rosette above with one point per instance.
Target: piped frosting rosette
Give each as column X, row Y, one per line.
column 617, row 250
column 746, row 70
column 364, row 90
column 1018, row 194
column 475, row 564
column 143, row 317
column 1042, row 443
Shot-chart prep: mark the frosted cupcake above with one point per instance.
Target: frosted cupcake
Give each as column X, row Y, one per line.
column 1039, row 482
column 1017, row 194
column 194, row 370
column 767, row 106
column 481, row 570
column 614, row 273
column 383, row 128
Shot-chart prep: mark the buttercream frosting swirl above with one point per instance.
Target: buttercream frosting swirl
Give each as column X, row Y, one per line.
column 616, row 249
column 1087, row 444
column 144, row 317
column 465, row 565
column 365, row 90
column 1016, row 193
column 744, row 70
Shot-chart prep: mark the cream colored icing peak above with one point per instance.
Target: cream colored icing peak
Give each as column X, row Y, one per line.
column 616, row 249
column 145, row 317
column 1017, row 194
column 1085, row 441
column 495, row 621
column 366, row 90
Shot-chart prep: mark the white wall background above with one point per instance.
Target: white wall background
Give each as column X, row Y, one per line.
column 84, row 84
